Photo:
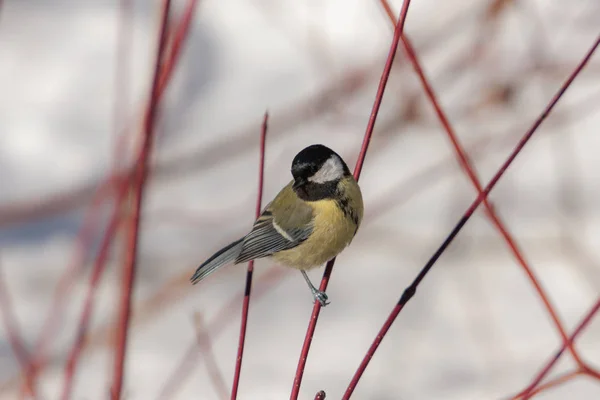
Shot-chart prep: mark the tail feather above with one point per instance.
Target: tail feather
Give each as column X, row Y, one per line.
column 220, row 258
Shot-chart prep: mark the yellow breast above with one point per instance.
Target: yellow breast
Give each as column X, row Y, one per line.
column 333, row 231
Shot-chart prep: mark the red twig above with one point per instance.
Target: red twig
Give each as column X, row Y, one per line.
column 320, row 395
column 186, row 365
column 139, row 180
column 357, row 171
column 557, row 381
column 55, row 315
column 466, row 165
column 410, row 290
column 86, row 313
column 248, row 287
column 528, row 391
column 11, row 325
column 176, row 41
column 121, row 92
column 204, row 343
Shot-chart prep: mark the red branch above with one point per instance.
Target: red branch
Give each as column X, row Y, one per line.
column 248, row 287
column 124, row 38
column 205, row 344
column 528, row 391
column 15, row 338
column 411, row 290
column 132, row 239
column 55, row 315
column 357, row 171
column 223, row 316
column 94, row 281
column 466, row 165
column 557, row 381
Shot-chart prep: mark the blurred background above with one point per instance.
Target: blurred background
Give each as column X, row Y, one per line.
column 74, row 79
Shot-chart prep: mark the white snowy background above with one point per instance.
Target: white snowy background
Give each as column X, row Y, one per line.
column 474, row 330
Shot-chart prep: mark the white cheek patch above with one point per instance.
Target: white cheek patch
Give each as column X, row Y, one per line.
column 331, row 170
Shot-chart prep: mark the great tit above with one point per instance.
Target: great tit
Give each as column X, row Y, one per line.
column 309, row 222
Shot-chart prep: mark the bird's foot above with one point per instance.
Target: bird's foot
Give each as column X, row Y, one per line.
column 321, row 297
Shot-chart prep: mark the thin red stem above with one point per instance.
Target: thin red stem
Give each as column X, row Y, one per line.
column 557, row 381
column 466, row 165
column 357, row 171
column 86, row 313
column 528, row 391
column 54, row 317
column 410, row 291
column 248, row 287
column 205, row 344
column 121, row 91
column 176, row 40
column 223, row 316
column 129, row 267
column 381, row 89
column 365, row 362
column 15, row 338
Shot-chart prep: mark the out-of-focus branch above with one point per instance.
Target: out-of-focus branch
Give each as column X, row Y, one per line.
column 248, row 286
column 195, row 160
column 186, row 366
column 138, row 190
column 86, row 313
column 205, row 345
column 66, row 281
column 15, row 338
column 113, row 182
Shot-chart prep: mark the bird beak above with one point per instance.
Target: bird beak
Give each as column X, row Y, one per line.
column 299, row 182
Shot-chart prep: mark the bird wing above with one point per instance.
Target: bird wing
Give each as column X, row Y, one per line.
column 284, row 224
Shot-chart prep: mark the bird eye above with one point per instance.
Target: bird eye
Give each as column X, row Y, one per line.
column 305, row 170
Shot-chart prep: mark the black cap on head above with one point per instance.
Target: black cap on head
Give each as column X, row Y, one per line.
column 310, row 159
column 317, row 170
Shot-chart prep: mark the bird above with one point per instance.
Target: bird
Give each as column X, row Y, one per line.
column 310, row 221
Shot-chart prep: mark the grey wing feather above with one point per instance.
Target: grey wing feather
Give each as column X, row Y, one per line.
column 220, row 258
column 265, row 239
